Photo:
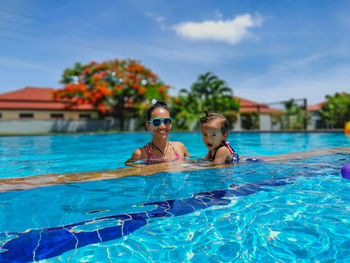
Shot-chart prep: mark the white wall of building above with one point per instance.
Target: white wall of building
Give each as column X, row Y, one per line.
column 38, row 126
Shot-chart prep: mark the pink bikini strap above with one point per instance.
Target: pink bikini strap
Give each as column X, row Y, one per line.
column 149, row 151
column 228, row 146
column 177, row 156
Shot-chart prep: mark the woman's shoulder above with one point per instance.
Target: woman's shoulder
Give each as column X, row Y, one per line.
column 177, row 144
column 141, row 152
column 180, row 148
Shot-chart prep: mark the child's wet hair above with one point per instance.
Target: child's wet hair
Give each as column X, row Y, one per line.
column 158, row 104
column 213, row 117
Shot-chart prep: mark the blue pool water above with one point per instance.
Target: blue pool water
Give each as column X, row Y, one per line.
column 296, row 210
column 30, row 155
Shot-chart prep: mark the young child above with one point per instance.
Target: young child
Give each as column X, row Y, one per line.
column 214, row 134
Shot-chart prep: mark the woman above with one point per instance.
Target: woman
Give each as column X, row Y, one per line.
column 159, row 149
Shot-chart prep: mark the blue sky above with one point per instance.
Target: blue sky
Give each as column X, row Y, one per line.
column 266, row 51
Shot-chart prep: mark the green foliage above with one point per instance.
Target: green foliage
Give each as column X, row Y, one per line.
column 277, row 117
column 336, row 111
column 296, row 117
column 207, row 93
column 184, row 120
column 250, row 120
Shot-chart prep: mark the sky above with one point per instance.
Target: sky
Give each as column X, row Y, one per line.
column 266, row 51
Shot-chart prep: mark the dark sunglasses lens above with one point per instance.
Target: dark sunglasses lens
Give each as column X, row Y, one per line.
column 156, row 122
column 167, row 122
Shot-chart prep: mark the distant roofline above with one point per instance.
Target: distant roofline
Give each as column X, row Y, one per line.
column 37, row 98
column 19, row 97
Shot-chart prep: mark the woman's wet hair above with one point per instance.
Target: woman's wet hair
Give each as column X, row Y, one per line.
column 216, row 117
column 158, row 104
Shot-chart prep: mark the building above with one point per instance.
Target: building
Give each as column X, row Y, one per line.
column 265, row 116
column 37, row 104
column 33, row 110
column 315, row 116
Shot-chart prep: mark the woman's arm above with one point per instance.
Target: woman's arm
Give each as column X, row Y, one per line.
column 186, row 154
column 136, row 156
column 181, row 149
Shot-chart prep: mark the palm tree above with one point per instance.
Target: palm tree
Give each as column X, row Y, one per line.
column 215, row 94
column 207, row 93
column 202, row 87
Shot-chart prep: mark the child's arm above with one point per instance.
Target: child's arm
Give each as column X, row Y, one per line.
column 207, row 157
column 222, row 155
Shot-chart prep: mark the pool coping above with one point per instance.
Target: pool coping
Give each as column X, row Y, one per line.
column 45, row 180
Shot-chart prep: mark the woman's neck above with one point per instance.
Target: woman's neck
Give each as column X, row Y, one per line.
column 160, row 144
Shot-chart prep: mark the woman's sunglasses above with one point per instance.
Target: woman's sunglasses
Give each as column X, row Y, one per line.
column 158, row 121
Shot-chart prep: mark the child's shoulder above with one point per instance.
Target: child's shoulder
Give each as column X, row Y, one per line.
column 224, row 151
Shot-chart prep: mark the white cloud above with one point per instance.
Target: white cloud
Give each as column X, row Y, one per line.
column 229, row 31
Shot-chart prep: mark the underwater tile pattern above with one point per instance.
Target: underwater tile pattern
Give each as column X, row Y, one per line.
column 38, row 244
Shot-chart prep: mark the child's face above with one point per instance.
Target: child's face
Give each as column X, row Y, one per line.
column 212, row 135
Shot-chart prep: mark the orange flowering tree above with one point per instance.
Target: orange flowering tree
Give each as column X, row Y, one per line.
column 114, row 88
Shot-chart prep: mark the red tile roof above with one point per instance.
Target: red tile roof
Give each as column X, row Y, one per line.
column 245, row 102
column 29, row 93
column 316, row 107
column 250, row 106
column 33, row 98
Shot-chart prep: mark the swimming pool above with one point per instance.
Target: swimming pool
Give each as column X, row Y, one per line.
column 30, row 155
column 284, row 211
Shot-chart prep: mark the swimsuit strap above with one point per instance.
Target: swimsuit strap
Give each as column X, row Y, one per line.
column 235, row 157
column 177, row 156
column 213, row 157
column 149, row 151
column 224, row 143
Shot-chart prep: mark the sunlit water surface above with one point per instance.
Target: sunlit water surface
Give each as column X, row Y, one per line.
column 279, row 212
column 30, row 155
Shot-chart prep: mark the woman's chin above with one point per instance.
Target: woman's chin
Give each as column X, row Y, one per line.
column 163, row 134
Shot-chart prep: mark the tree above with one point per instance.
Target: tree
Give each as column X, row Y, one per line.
column 207, row 93
column 296, row 114
column 336, row 111
column 250, row 120
column 213, row 93
column 115, row 87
